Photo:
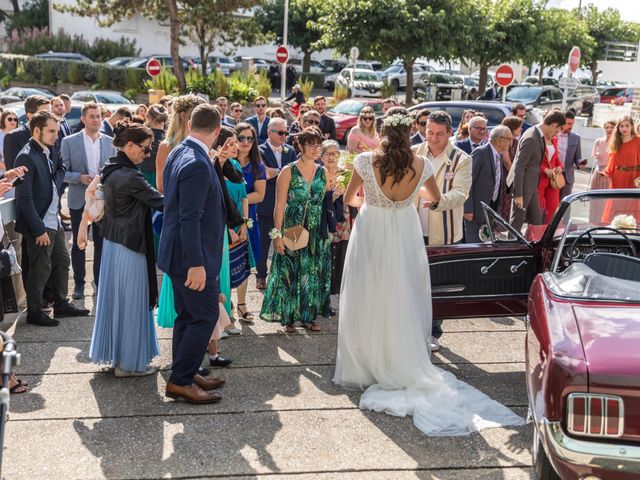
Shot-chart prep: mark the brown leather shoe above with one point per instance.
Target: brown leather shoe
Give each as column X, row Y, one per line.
column 261, row 283
column 191, row 394
column 206, row 383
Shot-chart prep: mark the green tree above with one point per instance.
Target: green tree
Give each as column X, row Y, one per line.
column 498, row 31
column 33, row 14
column 270, row 17
column 392, row 29
column 559, row 30
column 605, row 26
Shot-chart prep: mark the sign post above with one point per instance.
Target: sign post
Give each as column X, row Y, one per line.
column 504, row 77
column 354, row 53
column 283, row 68
column 572, row 65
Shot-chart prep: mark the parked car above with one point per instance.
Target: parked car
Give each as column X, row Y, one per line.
column 587, row 96
column 258, row 63
column 617, row 95
column 345, row 114
column 330, row 80
column 113, row 100
column 452, row 72
column 494, row 111
column 166, row 60
column 491, row 79
column 16, row 94
column 543, row 97
column 469, row 86
column 396, row 75
column 69, row 57
column 533, row 80
column 217, row 62
column 438, row 86
column 119, row 61
column 365, row 83
column 73, row 117
column 314, row 67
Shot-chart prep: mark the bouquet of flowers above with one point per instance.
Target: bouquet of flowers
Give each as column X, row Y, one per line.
column 345, row 169
column 624, row 223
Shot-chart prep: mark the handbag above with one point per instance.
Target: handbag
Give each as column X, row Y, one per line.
column 9, row 262
column 297, row 237
column 557, row 180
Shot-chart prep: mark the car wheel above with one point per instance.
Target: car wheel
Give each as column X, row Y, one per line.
column 542, row 468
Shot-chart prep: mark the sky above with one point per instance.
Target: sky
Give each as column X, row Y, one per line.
column 629, row 9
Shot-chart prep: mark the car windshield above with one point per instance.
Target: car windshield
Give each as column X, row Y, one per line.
column 523, row 94
column 394, row 69
column 348, row 107
column 581, row 282
column 613, row 92
column 366, row 76
column 112, row 98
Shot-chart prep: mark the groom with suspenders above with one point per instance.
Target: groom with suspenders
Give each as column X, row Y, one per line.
column 442, row 222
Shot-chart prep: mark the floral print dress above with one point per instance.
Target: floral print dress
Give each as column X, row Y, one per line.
column 299, row 281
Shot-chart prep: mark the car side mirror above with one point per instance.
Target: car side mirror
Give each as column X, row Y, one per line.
column 544, row 99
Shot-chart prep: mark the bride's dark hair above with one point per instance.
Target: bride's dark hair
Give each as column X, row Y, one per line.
column 394, row 156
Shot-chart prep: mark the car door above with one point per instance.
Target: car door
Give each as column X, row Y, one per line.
column 483, row 279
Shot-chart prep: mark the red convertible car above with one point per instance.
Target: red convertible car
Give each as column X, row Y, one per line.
column 578, row 283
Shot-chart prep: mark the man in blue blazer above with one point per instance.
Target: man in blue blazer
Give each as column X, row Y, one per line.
column 275, row 155
column 570, row 152
column 83, row 155
column 260, row 121
column 190, row 252
column 421, row 122
column 477, row 135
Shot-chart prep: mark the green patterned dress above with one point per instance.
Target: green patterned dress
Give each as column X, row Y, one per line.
column 299, row 282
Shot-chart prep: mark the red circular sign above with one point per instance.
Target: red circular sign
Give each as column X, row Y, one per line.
column 574, row 59
column 505, row 75
column 282, row 54
column 153, row 67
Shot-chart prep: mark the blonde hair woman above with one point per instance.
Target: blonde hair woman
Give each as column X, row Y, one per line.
column 364, row 137
column 177, row 131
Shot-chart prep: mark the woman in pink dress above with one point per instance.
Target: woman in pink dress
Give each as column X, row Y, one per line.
column 600, row 153
column 363, row 137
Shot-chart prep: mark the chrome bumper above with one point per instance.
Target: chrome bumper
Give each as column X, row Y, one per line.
column 607, row 456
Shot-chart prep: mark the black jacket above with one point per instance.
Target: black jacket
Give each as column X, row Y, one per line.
column 328, row 126
column 14, row 142
column 128, row 198
column 35, row 194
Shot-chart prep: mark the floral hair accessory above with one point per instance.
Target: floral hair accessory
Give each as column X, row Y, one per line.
column 396, row 120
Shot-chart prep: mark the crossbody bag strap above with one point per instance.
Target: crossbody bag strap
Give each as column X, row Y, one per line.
column 304, row 215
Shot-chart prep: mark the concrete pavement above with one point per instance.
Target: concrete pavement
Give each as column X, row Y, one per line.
column 281, row 416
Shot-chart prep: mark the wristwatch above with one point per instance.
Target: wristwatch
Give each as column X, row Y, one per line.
column 434, row 206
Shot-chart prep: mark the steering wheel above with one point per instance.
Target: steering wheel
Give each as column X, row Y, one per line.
column 592, row 242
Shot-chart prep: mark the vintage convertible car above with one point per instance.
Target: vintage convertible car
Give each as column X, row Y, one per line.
column 578, row 283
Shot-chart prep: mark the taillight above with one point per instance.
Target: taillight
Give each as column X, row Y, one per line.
column 595, row 415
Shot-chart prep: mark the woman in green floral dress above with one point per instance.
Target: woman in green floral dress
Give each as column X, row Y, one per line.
column 299, row 281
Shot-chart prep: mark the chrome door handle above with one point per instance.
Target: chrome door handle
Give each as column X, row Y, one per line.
column 515, row 268
column 484, row 270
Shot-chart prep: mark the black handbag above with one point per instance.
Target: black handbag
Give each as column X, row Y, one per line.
column 234, row 219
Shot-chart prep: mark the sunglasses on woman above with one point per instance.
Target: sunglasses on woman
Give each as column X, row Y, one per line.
column 244, row 139
column 368, row 117
column 312, row 122
column 146, row 150
column 12, row 119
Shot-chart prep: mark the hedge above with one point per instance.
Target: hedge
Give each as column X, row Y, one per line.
column 44, row 71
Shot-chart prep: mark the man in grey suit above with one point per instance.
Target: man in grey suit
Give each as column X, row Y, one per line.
column 84, row 154
column 525, row 170
column 569, row 152
column 486, row 173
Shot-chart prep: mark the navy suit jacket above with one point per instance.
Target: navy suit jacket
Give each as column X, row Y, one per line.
column 268, row 204
column 483, row 181
column 194, row 213
column 465, row 145
column 416, row 139
column 263, row 133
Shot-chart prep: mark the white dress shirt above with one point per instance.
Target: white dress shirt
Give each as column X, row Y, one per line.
column 92, row 150
column 277, row 152
column 563, row 143
column 198, row 142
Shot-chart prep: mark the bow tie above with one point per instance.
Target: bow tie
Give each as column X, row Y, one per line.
column 276, row 149
column 475, row 145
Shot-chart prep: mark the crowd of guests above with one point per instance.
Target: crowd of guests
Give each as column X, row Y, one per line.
column 280, row 192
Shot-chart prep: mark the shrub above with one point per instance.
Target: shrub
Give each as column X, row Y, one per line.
column 198, row 83
column 103, row 78
column 340, row 93
column 240, row 89
column 264, row 84
column 387, row 89
column 307, row 87
column 220, row 84
column 73, row 74
column 47, row 74
column 165, row 80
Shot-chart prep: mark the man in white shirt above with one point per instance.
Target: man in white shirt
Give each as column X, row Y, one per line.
column 84, row 154
column 442, row 222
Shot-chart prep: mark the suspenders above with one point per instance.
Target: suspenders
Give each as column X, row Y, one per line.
column 446, row 186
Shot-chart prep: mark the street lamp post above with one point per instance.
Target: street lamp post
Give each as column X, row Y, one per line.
column 283, row 68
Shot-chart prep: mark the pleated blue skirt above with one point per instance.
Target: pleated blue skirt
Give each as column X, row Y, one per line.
column 124, row 334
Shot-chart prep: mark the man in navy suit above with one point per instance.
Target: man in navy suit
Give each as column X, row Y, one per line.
column 190, row 252
column 477, row 135
column 260, row 121
column 275, row 155
column 421, row 122
column 569, row 152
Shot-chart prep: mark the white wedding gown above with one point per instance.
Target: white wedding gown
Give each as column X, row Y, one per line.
column 385, row 319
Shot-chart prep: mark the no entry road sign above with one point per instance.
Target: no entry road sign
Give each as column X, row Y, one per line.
column 282, row 54
column 505, row 75
column 153, row 67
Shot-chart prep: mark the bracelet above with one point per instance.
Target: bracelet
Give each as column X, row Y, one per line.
column 275, row 233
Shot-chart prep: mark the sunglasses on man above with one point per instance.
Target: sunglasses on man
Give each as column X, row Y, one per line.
column 422, row 124
column 261, row 105
column 282, row 133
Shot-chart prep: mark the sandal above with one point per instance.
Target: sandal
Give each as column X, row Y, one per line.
column 19, row 387
column 289, row 329
column 313, row 327
column 247, row 316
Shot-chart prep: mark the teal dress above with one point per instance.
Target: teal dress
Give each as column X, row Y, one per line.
column 299, row 282
column 237, row 193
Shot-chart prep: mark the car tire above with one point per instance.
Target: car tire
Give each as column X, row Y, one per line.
column 542, row 468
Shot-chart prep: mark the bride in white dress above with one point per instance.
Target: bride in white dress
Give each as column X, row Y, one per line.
column 385, row 298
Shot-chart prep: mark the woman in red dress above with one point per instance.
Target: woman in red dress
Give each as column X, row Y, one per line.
column 548, row 196
column 623, row 169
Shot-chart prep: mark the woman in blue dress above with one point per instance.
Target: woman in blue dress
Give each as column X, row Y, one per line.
column 256, row 182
